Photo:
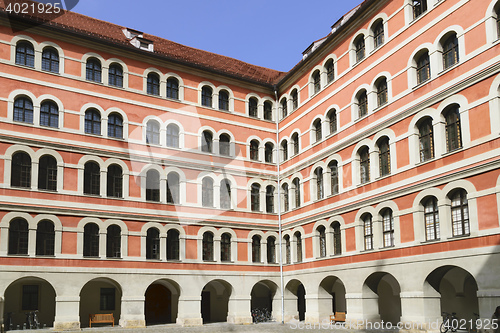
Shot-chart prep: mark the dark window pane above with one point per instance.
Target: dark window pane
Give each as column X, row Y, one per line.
column 50, row 60
column 47, row 173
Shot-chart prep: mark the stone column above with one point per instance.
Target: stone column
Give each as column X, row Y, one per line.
column 291, row 311
column 361, row 308
column 132, row 311
column 421, row 310
column 319, row 307
column 239, row 310
column 67, row 313
column 189, row 313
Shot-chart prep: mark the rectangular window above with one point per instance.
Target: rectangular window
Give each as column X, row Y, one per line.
column 30, row 297
column 107, row 301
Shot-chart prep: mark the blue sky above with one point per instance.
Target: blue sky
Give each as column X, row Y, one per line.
column 269, row 33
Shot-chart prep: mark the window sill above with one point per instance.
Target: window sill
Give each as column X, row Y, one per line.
column 458, row 236
column 451, row 152
column 444, row 71
column 430, row 241
column 114, row 258
column 421, row 84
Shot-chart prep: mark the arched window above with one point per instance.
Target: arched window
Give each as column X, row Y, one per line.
column 223, row 100
column 419, row 7
column 225, row 194
column 206, row 96
column 334, row 176
column 332, row 120
column 270, row 199
column 113, row 241
column 49, row 114
column 296, row 188
column 207, row 192
column 153, row 244
column 453, row 130
column 388, row 227
column 224, row 145
column 115, row 181
column 288, row 254
column 426, row 140
column 431, row 216
column 268, row 152
column 318, row 174
column 93, row 70
column 382, row 95
column 337, row 238
column 173, row 244
column 47, row 173
column 330, row 71
column 153, row 84
column 268, row 110
column 115, row 126
column 271, row 250
column 173, row 136
column 364, row 165
column 153, row 132
column 172, row 88
column 284, row 107
column 45, row 238
column 359, row 45
column 295, row 143
column 225, row 247
column 253, row 107
column 208, row 246
column 316, row 78
column 115, row 75
column 459, row 213
column 255, row 197
column 318, row 135
column 450, row 51
column 298, row 240
column 173, row 188
column 91, row 240
column 92, row 179
column 378, row 33
column 93, row 122
column 423, row 67
column 384, row 156
column 322, row 241
column 206, row 141
column 368, row 231
column 20, row 172
column 23, row 110
column 18, row 236
column 25, row 54
column 286, row 198
column 256, row 249
column 50, row 60
column 254, row 150
column 295, row 99
column 284, row 149
column 153, row 186
column 362, row 104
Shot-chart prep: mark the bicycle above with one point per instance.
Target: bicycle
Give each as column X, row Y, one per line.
column 450, row 322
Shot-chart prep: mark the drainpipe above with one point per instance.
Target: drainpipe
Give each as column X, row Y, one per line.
column 282, row 281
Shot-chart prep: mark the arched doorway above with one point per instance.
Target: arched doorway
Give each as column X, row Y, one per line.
column 457, row 291
column 161, row 301
column 27, row 295
column 385, row 289
column 214, row 301
column 295, row 293
column 331, row 296
column 262, row 297
column 100, row 295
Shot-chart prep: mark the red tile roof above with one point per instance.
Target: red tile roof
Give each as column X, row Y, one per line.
column 112, row 33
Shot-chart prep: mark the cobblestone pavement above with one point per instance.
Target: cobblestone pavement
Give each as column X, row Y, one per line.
column 218, row 327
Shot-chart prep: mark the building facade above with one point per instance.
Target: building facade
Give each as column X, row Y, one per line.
column 148, row 179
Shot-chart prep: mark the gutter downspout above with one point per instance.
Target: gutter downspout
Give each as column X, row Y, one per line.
column 282, row 281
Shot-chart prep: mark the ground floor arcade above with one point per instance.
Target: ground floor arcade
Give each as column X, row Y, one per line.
column 397, row 290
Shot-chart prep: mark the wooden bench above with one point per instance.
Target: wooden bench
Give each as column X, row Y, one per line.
column 337, row 317
column 101, row 318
